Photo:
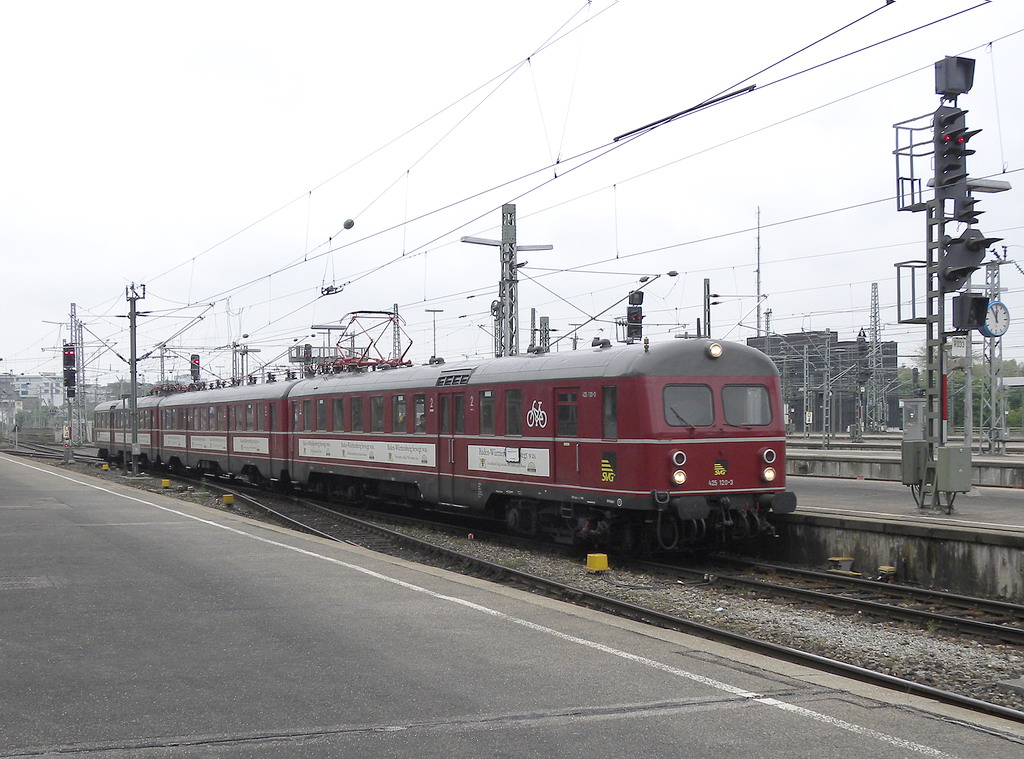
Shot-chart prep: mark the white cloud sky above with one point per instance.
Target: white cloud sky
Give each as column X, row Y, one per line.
column 211, row 150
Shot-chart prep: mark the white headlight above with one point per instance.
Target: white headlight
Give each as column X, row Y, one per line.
column 679, row 477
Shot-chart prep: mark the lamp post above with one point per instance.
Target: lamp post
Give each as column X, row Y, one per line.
column 433, row 315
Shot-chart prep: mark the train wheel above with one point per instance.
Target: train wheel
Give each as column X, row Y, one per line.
column 521, row 518
column 513, row 517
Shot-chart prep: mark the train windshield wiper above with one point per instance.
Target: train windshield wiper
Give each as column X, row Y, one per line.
column 680, row 417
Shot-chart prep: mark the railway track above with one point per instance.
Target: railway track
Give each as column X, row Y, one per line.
column 930, row 609
column 46, row 451
column 337, row 525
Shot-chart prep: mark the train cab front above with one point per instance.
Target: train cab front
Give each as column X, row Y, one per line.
column 725, row 467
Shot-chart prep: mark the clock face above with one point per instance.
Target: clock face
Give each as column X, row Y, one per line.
column 997, row 320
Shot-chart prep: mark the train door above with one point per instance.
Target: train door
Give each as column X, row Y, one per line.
column 451, row 424
column 567, row 431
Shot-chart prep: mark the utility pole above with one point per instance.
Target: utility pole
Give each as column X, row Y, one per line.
column 757, row 271
column 876, row 382
column 433, row 315
column 993, row 401
column 78, row 425
column 826, row 396
column 239, row 361
column 396, row 337
column 808, row 414
column 133, row 296
column 506, row 309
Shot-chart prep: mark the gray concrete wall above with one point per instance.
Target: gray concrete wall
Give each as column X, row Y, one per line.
column 1006, row 473
column 972, row 562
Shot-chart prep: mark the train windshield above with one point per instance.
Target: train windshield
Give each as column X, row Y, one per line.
column 746, row 405
column 688, row 406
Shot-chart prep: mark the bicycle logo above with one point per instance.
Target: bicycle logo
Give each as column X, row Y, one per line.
column 536, row 416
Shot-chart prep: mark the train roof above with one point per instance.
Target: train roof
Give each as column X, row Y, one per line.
column 147, row 401
column 682, row 358
column 236, row 394
column 264, row 391
column 676, row 358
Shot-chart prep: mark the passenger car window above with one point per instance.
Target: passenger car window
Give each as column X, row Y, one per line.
column 486, row 412
column 339, row 414
column 377, row 413
column 566, row 415
column 398, row 418
column 610, row 412
column 357, row 415
column 420, row 413
column 513, row 412
column 688, row 405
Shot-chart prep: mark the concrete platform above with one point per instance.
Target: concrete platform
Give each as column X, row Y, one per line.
column 135, row 625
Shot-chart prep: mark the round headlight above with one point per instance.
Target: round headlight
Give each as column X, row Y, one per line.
column 678, row 458
column 768, row 474
column 715, row 350
column 768, row 456
column 679, row 477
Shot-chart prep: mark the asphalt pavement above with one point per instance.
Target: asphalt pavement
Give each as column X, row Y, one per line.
column 136, row 625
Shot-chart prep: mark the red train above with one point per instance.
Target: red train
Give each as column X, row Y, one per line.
column 659, row 446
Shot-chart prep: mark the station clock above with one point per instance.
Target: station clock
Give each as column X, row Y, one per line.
column 997, row 320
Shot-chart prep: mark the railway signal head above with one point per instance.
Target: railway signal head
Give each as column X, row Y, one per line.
column 634, row 322
column 194, row 361
column 70, row 369
column 951, row 137
column 961, row 256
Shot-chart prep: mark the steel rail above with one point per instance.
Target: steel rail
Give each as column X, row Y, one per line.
column 1011, row 633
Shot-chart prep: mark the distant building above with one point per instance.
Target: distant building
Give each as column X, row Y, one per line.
column 31, row 400
column 47, row 387
column 862, row 384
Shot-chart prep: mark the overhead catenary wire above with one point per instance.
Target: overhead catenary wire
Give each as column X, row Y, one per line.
column 588, row 154
column 406, row 222
column 552, row 39
column 622, row 139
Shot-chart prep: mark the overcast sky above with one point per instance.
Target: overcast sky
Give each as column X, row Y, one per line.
column 212, row 152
